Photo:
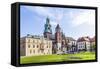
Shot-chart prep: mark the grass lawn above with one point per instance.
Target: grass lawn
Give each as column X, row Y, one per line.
column 57, row 58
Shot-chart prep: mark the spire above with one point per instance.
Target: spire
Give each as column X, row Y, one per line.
column 48, row 26
column 47, row 20
column 58, row 29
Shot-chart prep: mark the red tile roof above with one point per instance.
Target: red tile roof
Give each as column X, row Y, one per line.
column 83, row 39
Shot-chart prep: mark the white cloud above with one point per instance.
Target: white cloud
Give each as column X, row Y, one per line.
column 77, row 18
column 59, row 15
column 43, row 11
column 86, row 17
column 53, row 23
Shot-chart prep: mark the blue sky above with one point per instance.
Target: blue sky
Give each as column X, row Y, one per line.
column 74, row 22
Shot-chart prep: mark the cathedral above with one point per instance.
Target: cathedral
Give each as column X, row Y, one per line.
column 59, row 42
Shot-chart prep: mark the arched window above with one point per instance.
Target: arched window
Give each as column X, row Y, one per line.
column 37, row 46
column 28, row 46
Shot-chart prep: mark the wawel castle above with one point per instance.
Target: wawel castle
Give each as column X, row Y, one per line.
column 54, row 43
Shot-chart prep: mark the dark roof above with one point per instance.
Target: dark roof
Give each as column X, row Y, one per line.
column 83, row 39
column 70, row 39
column 33, row 36
column 58, row 27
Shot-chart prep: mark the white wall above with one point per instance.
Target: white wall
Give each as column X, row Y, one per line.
column 5, row 20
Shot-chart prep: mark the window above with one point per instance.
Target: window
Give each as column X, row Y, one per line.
column 33, row 51
column 30, row 51
column 47, row 46
column 23, row 46
column 37, row 46
column 48, row 51
column 28, row 46
column 29, row 40
column 81, row 46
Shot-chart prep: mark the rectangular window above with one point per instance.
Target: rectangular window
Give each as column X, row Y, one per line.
column 33, row 51
column 23, row 46
column 28, row 46
column 29, row 40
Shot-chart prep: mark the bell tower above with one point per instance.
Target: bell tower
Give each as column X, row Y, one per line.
column 58, row 38
column 47, row 30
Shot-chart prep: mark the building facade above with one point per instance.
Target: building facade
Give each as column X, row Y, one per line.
column 71, row 45
column 57, row 43
column 83, row 44
column 35, row 45
column 92, row 41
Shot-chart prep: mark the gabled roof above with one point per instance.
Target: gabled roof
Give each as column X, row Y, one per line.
column 83, row 39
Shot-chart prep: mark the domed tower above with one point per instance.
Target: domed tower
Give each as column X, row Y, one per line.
column 47, row 30
column 58, row 38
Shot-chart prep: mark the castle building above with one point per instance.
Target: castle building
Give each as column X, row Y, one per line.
column 57, row 43
column 35, row 45
column 83, row 44
column 58, row 39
